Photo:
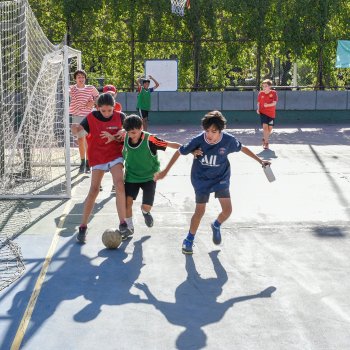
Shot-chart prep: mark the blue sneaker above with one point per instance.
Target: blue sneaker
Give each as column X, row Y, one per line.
column 216, row 234
column 187, row 246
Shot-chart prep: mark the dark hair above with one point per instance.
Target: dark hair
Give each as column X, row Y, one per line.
column 214, row 118
column 145, row 81
column 105, row 100
column 79, row 71
column 131, row 122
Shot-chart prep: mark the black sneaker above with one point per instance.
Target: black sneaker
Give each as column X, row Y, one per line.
column 148, row 219
column 81, row 236
column 87, row 168
column 82, row 167
column 125, row 231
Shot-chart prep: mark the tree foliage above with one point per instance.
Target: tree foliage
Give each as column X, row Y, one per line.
column 217, row 43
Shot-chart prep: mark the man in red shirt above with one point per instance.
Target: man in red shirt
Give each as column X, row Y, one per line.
column 267, row 100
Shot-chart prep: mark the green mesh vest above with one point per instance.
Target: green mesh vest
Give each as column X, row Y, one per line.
column 144, row 100
column 140, row 164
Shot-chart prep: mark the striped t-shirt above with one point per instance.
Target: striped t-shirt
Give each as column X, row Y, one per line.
column 80, row 97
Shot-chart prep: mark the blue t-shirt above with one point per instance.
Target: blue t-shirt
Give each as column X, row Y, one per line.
column 211, row 172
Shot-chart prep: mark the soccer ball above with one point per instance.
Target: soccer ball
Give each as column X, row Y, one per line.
column 111, row 238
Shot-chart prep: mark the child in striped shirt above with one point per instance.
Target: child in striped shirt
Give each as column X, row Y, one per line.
column 82, row 101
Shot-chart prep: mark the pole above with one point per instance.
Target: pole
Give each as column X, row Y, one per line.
column 66, row 117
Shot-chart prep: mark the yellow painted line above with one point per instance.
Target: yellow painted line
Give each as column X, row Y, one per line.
column 22, row 328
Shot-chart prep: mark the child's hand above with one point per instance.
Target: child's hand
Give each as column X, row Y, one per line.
column 90, row 104
column 197, row 152
column 108, row 136
column 159, row 176
column 76, row 128
column 257, row 111
column 265, row 163
column 120, row 135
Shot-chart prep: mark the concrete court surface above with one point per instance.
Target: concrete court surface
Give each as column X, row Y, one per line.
column 279, row 281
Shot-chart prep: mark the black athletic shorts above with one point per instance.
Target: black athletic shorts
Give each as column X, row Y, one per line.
column 143, row 113
column 267, row 120
column 149, row 189
column 204, row 197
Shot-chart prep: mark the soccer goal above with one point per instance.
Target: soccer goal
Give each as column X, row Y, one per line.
column 34, row 102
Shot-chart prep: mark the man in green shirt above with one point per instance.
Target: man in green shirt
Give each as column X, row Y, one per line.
column 144, row 98
column 141, row 163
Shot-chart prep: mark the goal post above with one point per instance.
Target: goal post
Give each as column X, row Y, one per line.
column 34, row 107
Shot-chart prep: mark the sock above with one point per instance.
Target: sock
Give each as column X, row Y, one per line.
column 129, row 222
column 190, row 237
column 82, row 226
column 123, row 222
column 217, row 224
column 83, row 161
column 87, row 162
column 144, row 211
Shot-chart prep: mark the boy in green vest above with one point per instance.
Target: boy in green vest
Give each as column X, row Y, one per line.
column 144, row 98
column 141, row 163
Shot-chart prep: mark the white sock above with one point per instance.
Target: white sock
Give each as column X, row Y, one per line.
column 129, row 222
column 144, row 211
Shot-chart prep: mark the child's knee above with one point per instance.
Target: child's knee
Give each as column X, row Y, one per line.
column 200, row 211
column 94, row 190
column 120, row 185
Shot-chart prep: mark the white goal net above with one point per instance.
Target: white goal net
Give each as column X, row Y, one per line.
column 34, row 98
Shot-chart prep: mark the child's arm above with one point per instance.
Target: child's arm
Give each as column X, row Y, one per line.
column 249, row 153
column 94, row 96
column 174, row 145
column 163, row 173
column 258, row 107
column 138, row 83
column 155, row 82
column 270, row 104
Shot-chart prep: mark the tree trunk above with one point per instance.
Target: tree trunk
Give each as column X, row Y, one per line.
column 319, row 84
column 196, row 63
column 132, row 64
column 258, row 65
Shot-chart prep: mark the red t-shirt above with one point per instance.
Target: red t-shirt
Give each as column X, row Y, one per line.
column 98, row 151
column 117, row 107
column 267, row 98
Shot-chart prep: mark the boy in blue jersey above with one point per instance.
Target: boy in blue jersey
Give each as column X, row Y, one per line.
column 210, row 172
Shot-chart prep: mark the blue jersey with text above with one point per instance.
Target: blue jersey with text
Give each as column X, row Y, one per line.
column 211, row 172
